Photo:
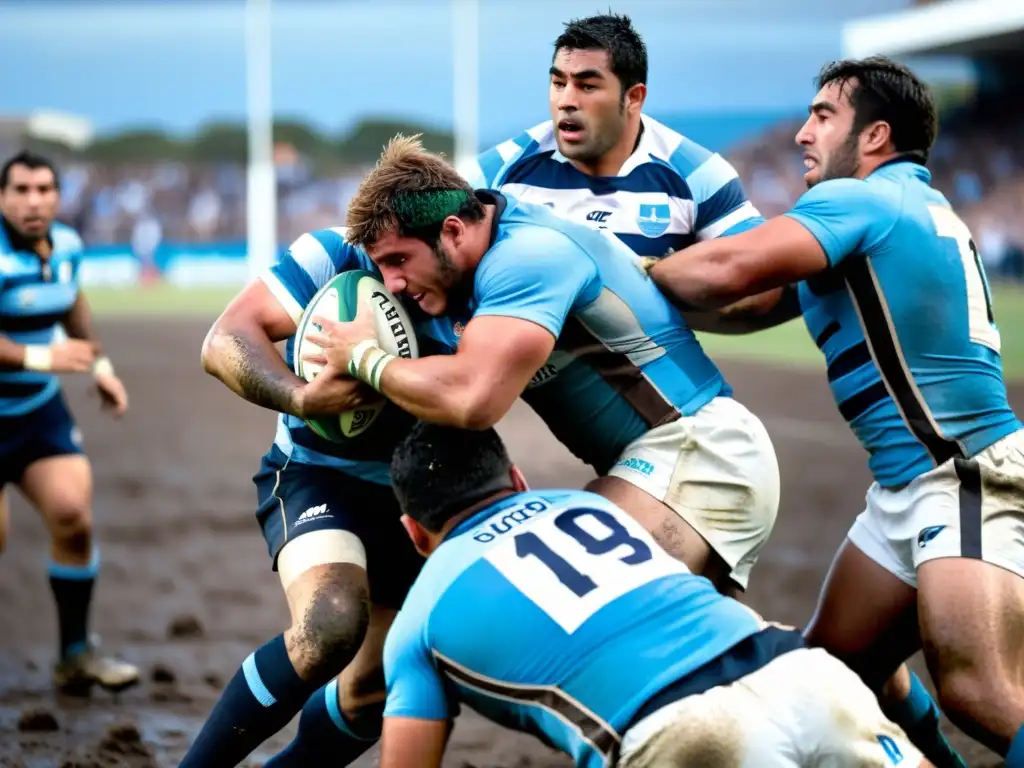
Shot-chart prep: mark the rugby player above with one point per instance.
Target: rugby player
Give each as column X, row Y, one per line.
column 535, row 305
column 601, row 162
column 555, row 613
column 330, row 522
column 46, row 329
column 894, row 294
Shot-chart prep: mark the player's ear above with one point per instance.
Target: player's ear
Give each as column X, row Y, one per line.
column 417, row 534
column 875, row 137
column 518, row 479
column 635, row 98
column 453, row 228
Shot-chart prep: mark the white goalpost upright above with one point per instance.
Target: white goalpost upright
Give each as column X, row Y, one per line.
column 465, row 78
column 261, row 189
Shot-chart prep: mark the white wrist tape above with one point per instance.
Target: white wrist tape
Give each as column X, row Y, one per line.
column 103, row 367
column 368, row 363
column 38, row 357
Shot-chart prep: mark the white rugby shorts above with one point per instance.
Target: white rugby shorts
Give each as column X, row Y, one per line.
column 718, row 471
column 804, row 708
column 963, row 508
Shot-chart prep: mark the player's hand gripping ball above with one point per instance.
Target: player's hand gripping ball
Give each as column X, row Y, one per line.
column 341, row 299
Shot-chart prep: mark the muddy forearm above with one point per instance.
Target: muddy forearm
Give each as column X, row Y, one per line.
column 251, row 367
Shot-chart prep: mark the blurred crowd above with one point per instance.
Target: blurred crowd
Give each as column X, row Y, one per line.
column 146, row 204
column 978, row 162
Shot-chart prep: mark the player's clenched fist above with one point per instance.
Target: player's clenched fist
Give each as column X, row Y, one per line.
column 333, row 392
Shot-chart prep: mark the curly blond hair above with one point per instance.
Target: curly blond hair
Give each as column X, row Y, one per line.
column 411, row 191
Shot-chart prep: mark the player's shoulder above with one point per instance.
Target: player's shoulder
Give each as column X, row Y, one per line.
column 330, row 243
column 704, row 170
column 668, row 146
column 65, row 238
column 490, row 167
column 534, row 232
column 873, row 196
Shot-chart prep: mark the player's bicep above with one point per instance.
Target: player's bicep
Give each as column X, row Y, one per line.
column 776, row 253
column 505, row 352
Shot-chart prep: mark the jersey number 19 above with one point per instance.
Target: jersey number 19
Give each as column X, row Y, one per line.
column 577, row 561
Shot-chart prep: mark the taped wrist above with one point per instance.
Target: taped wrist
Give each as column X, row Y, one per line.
column 38, row 357
column 103, row 367
column 368, row 362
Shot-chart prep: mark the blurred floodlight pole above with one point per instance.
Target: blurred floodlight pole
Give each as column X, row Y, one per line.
column 261, row 190
column 465, row 82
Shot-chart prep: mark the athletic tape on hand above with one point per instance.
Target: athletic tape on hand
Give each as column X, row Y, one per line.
column 368, row 363
column 103, row 367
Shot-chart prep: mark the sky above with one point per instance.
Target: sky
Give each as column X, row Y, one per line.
column 174, row 65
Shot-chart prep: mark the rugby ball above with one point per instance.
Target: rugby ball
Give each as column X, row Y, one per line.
column 340, row 299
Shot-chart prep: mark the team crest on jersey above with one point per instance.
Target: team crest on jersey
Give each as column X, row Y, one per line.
column 654, row 219
column 64, row 272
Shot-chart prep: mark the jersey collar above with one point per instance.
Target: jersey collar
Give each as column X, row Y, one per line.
column 497, row 199
column 913, row 163
column 480, row 515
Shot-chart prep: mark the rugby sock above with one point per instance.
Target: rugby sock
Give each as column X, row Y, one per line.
column 258, row 702
column 918, row 716
column 1015, row 757
column 72, row 592
column 323, row 730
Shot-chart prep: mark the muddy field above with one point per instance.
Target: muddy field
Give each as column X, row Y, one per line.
column 186, row 590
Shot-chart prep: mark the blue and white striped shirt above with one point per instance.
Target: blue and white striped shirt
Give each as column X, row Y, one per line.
column 669, row 194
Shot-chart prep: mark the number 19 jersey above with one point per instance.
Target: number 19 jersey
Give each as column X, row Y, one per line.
column 553, row 613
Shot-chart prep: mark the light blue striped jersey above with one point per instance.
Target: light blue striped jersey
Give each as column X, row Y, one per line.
column 35, row 296
column 624, row 359
column 306, row 267
column 553, row 613
column 904, row 318
column 670, row 193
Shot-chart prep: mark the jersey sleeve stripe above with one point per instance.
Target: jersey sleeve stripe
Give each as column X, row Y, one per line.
column 880, row 333
column 710, row 177
column 738, row 220
column 282, row 294
column 312, row 255
column 595, row 731
column 490, row 163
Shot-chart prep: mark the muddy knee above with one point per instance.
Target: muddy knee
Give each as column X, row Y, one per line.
column 331, row 628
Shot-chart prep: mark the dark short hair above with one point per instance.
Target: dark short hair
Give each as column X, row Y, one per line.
column 30, row 160
column 438, row 472
column 615, row 34
column 882, row 89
